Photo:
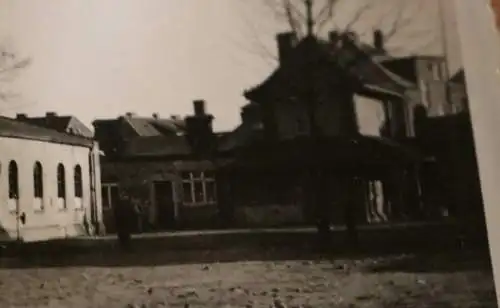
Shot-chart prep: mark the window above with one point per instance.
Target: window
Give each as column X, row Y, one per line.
column 435, row 70
column 61, row 187
column 78, row 181
column 198, row 188
column 38, row 180
column 109, row 193
column 38, row 186
column 13, row 181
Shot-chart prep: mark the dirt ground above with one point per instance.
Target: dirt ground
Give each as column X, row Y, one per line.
column 446, row 280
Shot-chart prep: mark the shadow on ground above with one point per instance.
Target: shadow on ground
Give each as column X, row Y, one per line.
column 428, row 249
column 445, row 261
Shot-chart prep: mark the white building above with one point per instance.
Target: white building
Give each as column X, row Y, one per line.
column 48, row 183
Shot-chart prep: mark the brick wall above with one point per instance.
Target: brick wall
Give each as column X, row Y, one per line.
column 137, row 178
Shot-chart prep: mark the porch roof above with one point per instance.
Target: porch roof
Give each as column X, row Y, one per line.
column 332, row 153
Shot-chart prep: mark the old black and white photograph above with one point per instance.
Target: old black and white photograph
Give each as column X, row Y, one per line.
column 230, row 153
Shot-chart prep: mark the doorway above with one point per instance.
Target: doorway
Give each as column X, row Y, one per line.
column 165, row 205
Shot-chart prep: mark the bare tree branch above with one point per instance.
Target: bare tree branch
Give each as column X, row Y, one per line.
column 293, row 21
column 326, row 14
column 252, row 43
column 399, row 21
column 10, row 65
column 292, row 13
column 359, row 14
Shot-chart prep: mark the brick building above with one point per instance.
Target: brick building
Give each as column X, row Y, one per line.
column 164, row 164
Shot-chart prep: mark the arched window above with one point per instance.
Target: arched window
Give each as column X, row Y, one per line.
column 78, row 181
column 13, row 181
column 38, row 186
column 61, row 186
column 38, row 180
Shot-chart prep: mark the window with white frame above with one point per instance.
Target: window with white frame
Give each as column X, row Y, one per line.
column 109, row 193
column 198, row 188
column 38, row 186
column 77, row 181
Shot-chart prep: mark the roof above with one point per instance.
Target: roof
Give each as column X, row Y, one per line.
column 336, row 152
column 12, row 128
column 149, row 146
column 313, row 55
column 241, row 136
column 150, row 126
column 63, row 124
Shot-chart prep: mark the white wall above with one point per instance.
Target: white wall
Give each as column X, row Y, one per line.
column 370, row 115
column 51, row 222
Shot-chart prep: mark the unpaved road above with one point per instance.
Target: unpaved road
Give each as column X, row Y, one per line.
column 432, row 281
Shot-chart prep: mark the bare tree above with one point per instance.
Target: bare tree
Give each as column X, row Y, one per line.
column 10, row 65
column 318, row 17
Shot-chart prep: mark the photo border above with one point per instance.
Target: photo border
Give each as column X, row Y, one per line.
column 480, row 49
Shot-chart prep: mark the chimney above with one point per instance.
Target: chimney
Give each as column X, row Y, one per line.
column 378, row 40
column 199, row 107
column 250, row 114
column 21, row 116
column 156, row 116
column 333, row 36
column 199, row 131
column 50, row 114
column 350, row 38
column 286, row 43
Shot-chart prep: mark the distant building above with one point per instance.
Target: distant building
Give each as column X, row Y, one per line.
column 429, row 79
column 48, row 183
column 164, row 164
column 63, row 124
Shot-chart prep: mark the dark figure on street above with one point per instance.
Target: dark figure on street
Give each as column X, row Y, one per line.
column 125, row 218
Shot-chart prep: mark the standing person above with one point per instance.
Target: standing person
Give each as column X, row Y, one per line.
column 124, row 219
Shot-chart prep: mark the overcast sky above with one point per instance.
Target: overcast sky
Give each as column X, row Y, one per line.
column 102, row 58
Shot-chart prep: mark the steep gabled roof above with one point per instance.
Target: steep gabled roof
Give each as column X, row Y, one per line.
column 348, row 61
column 12, row 128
